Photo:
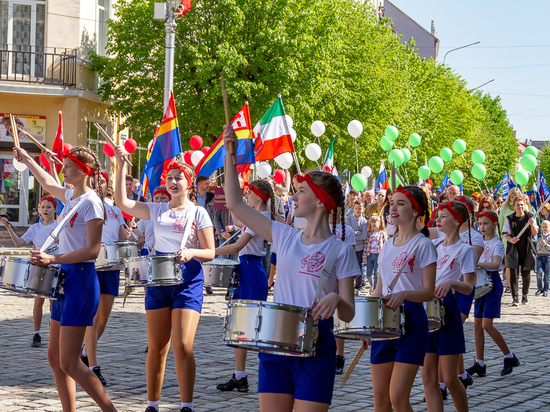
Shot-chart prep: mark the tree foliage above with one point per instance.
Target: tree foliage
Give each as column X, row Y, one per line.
column 331, row 60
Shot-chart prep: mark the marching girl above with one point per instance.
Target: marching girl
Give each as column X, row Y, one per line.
column 487, row 308
column 303, row 383
column 252, row 275
column 113, row 230
column 37, row 234
column 173, row 310
column 447, row 343
column 79, row 244
column 394, row 363
column 145, row 229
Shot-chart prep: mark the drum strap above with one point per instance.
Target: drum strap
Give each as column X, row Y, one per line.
column 191, row 215
column 448, row 262
column 396, row 278
column 329, row 264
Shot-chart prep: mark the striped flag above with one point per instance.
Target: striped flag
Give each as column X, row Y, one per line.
column 272, row 134
column 144, row 181
column 328, row 162
column 58, row 147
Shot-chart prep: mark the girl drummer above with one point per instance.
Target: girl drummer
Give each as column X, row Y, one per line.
column 173, row 310
column 146, row 229
column 37, row 234
column 447, row 343
column 394, row 363
column 79, row 244
column 252, row 275
column 303, row 383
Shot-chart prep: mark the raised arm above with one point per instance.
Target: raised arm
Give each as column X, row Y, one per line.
column 16, row 239
column 49, row 156
column 128, row 206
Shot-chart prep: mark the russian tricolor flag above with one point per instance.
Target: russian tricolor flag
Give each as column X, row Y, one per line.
column 382, row 182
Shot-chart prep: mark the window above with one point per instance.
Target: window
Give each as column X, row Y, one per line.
column 102, row 16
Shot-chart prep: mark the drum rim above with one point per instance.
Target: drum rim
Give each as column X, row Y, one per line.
column 153, row 257
column 262, row 303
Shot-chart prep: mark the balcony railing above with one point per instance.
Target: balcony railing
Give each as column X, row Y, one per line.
column 58, row 68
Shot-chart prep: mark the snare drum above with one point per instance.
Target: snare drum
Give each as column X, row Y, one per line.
column 436, row 314
column 19, row 275
column 484, row 283
column 112, row 254
column 218, row 272
column 270, row 327
column 372, row 321
column 157, row 270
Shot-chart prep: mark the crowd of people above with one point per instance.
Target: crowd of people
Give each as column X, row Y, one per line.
column 406, row 247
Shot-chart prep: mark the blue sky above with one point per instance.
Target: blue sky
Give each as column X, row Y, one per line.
column 514, row 51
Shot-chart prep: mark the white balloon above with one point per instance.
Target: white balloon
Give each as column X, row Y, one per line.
column 293, row 135
column 19, row 166
column 284, row 160
column 366, row 171
column 317, row 128
column 355, row 128
column 196, row 157
column 313, row 151
column 263, row 169
column 289, row 121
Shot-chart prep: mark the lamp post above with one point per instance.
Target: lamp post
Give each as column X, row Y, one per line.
column 458, row 48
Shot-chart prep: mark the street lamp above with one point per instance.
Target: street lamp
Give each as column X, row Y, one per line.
column 458, row 48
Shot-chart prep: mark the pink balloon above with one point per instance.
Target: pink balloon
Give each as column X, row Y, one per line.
column 196, row 142
column 187, row 157
column 108, row 150
column 67, row 146
column 279, row 176
column 205, row 149
column 43, row 161
column 130, row 145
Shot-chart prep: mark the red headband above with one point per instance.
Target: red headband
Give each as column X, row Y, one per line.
column 321, row 193
column 257, row 192
column 493, row 218
column 83, row 166
column 183, row 170
column 462, row 199
column 105, row 176
column 408, row 194
column 454, row 213
column 162, row 191
column 49, row 199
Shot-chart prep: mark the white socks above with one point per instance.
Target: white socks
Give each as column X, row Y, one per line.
column 480, row 362
column 240, row 374
column 84, row 353
column 187, row 405
column 442, row 385
column 509, row 356
column 154, row 404
column 37, row 333
column 464, row 375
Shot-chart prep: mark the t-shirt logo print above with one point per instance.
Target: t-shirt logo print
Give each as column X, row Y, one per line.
column 399, row 261
column 486, row 251
column 179, row 225
column 442, row 260
column 312, row 263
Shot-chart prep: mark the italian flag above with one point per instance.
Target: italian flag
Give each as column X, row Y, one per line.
column 272, row 134
column 328, row 163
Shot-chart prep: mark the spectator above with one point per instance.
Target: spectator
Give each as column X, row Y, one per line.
column 359, row 225
column 377, row 208
column 368, row 197
column 352, row 197
column 130, row 190
column 476, row 197
column 204, row 197
column 453, row 191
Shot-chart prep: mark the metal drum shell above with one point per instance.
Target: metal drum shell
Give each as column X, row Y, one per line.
column 19, row 275
column 270, row 328
column 156, row 270
column 112, row 254
column 218, row 271
column 435, row 311
column 484, row 283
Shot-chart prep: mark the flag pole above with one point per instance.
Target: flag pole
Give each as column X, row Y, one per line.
column 230, row 146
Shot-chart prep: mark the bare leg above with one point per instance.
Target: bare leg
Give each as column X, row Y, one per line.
column 308, row 406
column 158, row 333
column 240, row 359
column 271, row 279
column 276, row 402
column 381, row 380
column 402, row 380
column 37, row 313
column 104, row 311
column 458, row 393
column 65, row 385
column 93, row 332
column 479, row 337
column 495, row 334
column 340, row 346
column 430, row 379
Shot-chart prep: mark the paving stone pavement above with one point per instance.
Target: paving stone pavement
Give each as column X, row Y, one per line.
column 26, row 381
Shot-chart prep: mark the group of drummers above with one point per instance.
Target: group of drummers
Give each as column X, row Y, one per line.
column 413, row 319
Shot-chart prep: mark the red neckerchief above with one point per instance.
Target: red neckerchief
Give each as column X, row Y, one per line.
column 321, row 193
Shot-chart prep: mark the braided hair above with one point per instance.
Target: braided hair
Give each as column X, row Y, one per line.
column 332, row 186
column 265, row 187
column 462, row 210
column 420, row 196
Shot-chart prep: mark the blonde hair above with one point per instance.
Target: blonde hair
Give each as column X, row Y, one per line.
column 379, row 219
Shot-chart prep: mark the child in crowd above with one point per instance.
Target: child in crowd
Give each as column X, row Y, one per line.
column 376, row 237
column 360, row 226
column 543, row 259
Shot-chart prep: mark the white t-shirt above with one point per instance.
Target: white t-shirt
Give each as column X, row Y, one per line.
column 375, row 242
column 477, row 238
column 38, row 233
column 464, row 262
column 493, row 247
column 298, row 222
column 112, row 224
column 147, row 228
column 169, row 226
column 350, row 234
column 299, row 266
column 392, row 258
column 73, row 236
column 390, row 227
column 256, row 245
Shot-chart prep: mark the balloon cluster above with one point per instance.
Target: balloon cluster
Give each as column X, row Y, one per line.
column 529, row 163
column 130, row 145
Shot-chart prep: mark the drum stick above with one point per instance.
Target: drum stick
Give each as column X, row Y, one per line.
column 353, row 363
column 536, row 214
column 110, row 140
column 14, row 131
column 230, row 146
column 39, row 145
column 232, row 236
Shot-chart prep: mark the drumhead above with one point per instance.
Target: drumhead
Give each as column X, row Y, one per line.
column 219, row 261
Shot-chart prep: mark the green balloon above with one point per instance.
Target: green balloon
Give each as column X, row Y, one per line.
column 459, row 146
column 477, row 156
column 359, row 182
column 521, row 177
column 436, row 164
column 415, row 139
column 396, row 156
column 385, row 143
column 391, row 133
column 446, row 154
column 457, row 177
column 407, row 154
column 424, row 172
column 528, row 162
column 479, row 171
column 532, row 150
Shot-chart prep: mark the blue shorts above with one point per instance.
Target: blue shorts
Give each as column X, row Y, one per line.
column 273, row 259
column 144, row 252
column 79, row 299
column 252, row 278
column 449, row 340
column 308, row 379
column 108, row 281
column 187, row 295
column 411, row 347
column 488, row 306
column 465, row 301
